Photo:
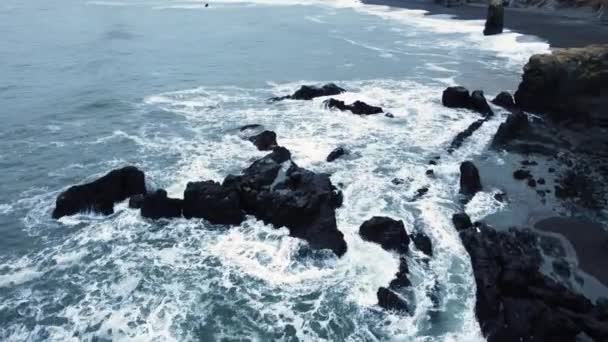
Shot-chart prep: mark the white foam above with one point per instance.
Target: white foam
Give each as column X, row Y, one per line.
column 19, row 277
column 5, row 209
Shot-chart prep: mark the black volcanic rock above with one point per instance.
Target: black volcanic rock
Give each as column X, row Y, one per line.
column 390, row 300
column 357, row 107
column 213, row 202
column 336, row 153
column 567, row 85
column 277, row 191
column 157, row 205
column 516, row 126
column 423, row 243
column 100, row 195
column 515, row 301
column 136, row 201
column 461, row 221
column 470, row 182
column 504, row 99
column 522, row 174
column 456, row 97
column 265, row 141
column 308, row 92
column 459, row 97
column 388, row 233
column 462, row 136
column 479, row 104
column 402, row 276
column 495, row 18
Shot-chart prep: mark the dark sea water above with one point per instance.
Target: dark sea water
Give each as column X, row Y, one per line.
column 88, row 86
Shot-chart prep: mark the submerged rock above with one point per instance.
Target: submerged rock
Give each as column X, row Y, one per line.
column 213, row 202
column 470, row 183
column 265, row 141
column 567, row 84
column 277, row 191
column 357, row 107
column 309, row 92
column 515, row 301
column 335, row 154
column 391, row 301
column 462, row 136
column 251, row 127
column 388, row 233
column 522, row 174
column 157, row 205
column 495, row 18
column 100, row 195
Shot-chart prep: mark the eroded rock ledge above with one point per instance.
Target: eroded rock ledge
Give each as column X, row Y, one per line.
column 515, row 300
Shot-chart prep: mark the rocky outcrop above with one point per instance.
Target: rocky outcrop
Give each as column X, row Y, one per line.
column 515, row 301
column 516, row 126
column 567, row 85
column 462, row 136
column 390, row 300
column 423, row 243
column 504, row 99
column 388, row 233
column 495, row 18
column 459, row 97
column 357, row 107
column 479, row 103
column 265, row 141
column 461, row 221
column 157, row 205
column 213, row 202
column 309, row 92
column 277, row 191
column 336, row 153
column 100, row 195
column 392, row 236
column 456, row 97
column 470, row 183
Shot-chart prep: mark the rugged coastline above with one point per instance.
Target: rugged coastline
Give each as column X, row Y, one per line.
column 561, row 29
column 526, row 289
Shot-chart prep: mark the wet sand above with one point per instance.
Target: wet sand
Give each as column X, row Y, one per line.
column 559, row 28
column 590, row 241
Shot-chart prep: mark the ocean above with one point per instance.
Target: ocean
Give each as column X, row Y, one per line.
column 89, row 86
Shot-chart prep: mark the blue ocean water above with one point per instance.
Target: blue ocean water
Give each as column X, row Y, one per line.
column 87, row 86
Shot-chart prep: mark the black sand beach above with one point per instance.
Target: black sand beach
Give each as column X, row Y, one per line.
column 589, row 240
column 557, row 28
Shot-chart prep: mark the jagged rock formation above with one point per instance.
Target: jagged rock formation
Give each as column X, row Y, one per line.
column 567, row 85
column 515, row 301
column 100, row 195
column 495, row 18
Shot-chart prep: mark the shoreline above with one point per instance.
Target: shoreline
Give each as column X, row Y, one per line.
column 589, row 247
column 555, row 27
